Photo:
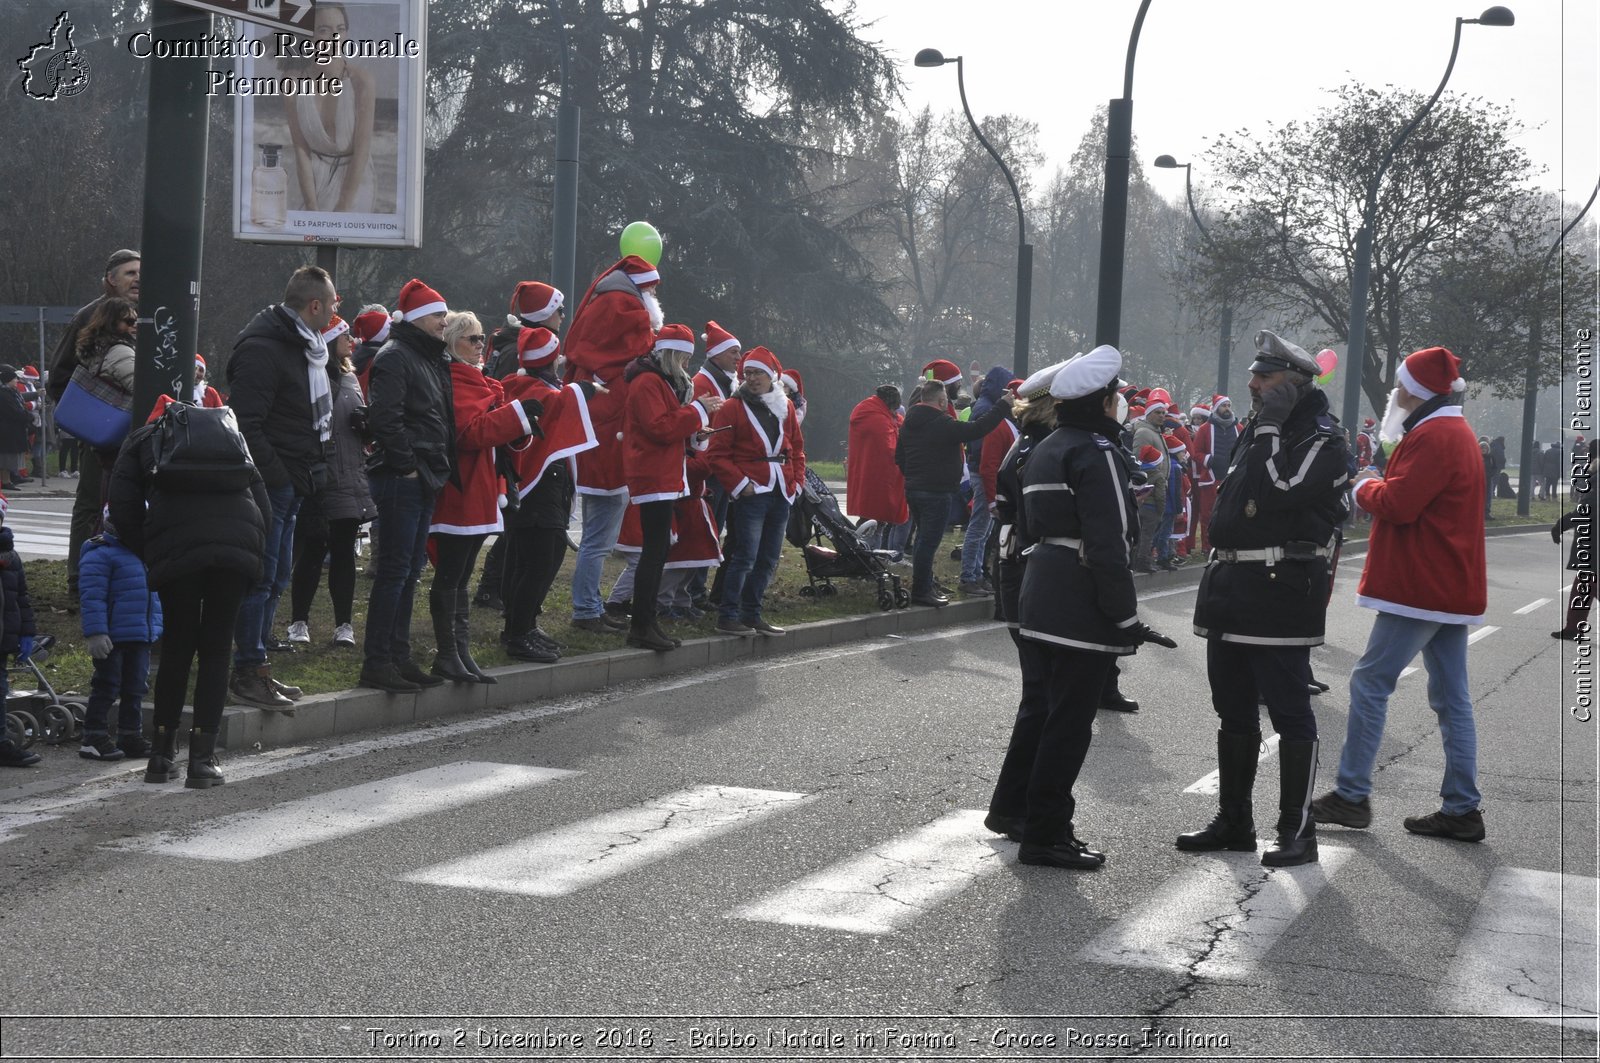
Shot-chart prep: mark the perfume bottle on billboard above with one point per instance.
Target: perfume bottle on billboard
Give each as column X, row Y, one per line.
column 269, row 189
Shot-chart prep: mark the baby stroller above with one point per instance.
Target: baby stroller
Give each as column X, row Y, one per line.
column 41, row 713
column 816, row 516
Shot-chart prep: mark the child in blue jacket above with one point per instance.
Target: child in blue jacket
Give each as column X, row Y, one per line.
column 121, row 618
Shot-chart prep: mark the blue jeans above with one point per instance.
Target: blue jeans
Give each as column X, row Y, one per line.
column 1163, row 542
column 405, row 505
column 928, row 510
column 253, row 626
column 1393, row 644
column 761, row 521
column 602, row 523
column 977, row 537
column 122, row 677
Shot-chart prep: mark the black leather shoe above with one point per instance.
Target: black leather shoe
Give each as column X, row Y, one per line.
column 1069, row 853
column 936, row 601
column 412, row 674
column 1116, row 701
column 1010, row 826
column 386, row 677
column 595, row 625
column 651, row 637
column 525, row 649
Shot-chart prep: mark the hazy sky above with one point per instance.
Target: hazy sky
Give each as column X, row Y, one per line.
column 1206, row 67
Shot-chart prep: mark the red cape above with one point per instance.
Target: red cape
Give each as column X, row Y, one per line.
column 874, row 486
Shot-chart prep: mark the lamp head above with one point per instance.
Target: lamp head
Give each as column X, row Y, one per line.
column 1495, row 16
column 1167, row 162
column 934, row 57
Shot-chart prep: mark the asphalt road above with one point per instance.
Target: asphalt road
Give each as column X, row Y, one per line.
column 784, row 861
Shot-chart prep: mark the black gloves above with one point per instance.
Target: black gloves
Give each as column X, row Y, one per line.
column 532, row 409
column 1276, row 402
column 1555, row 533
column 588, row 389
column 1142, row 633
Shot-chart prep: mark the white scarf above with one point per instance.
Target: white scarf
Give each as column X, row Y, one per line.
column 317, row 375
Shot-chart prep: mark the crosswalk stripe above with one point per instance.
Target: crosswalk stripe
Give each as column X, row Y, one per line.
column 1218, row 919
column 566, row 860
column 339, row 813
column 879, row 890
column 1529, row 951
column 1212, row 783
column 11, row 824
column 1531, row 606
column 1481, row 634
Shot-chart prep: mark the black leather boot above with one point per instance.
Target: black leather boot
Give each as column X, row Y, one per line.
column 463, row 636
column 204, row 771
column 1234, row 826
column 1297, row 830
column 649, row 636
column 447, row 662
column 163, row 766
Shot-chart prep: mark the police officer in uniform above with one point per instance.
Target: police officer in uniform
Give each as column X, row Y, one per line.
column 1077, row 602
column 1264, row 597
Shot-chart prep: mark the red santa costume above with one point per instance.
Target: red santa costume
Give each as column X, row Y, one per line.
column 484, row 420
column 566, row 427
column 745, row 455
column 658, row 425
column 875, row 489
column 1427, row 559
column 615, row 323
column 994, row 448
column 1204, row 492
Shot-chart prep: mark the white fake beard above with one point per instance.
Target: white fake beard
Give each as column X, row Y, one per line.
column 199, row 393
column 1392, row 427
column 652, row 306
column 777, row 402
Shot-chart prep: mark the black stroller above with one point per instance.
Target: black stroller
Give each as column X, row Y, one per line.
column 816, row 516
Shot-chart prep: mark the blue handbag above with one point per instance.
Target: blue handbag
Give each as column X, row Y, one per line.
column 95, row 410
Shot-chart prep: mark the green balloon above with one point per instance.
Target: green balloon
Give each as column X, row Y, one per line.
column 640, row 238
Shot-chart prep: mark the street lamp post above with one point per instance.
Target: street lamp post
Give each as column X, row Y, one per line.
column 1355, row 348
column 1114, row 207
column 564, row 239
column 1019, row 353
column 1225, row 343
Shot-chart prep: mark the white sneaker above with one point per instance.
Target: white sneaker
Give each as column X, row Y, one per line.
column 299, row 631
column 344, row 635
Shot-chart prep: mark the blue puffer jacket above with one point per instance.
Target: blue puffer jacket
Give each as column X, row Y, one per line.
column 17, row 607
column 989, row 392
column 114, row 595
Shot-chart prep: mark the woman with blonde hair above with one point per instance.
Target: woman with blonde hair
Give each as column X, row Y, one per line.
column 467, row 510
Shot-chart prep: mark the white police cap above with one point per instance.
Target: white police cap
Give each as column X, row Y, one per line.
column 1275, row 354
column 1038, row 385
column 1087, row 373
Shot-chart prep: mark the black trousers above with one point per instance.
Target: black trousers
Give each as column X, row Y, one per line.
column 87, row 505
column 533, row 558
column 494, row 564
column 455, row 556
column 1243, row 676
column 198, row 612
column 314, row 539
column 1074, row 686
column 1011, row 788
column 655, row 518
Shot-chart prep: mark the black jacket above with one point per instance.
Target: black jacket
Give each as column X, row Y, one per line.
column 502, row 361
column 929, row 449
column 64, row 359
column 1010, row 523
column 1079, row 596
column 411, row 407
column 18, row 605
column 270, row 392
column 182, row 533
column 1285, row 486
column 15, row 422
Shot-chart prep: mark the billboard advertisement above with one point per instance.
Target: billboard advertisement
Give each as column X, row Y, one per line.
column 328, row 128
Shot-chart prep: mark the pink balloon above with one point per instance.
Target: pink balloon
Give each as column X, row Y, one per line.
column 1327, row 361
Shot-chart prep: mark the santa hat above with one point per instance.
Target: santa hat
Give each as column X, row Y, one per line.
column 337, row 327
column 762, row 359
column 1175, row 446
column 1135, row 409
column 1158, row 399
column 718, row 339
column 535, row 301
column 1220, row 400
column 1200, row 409
column 642, row 273
column 675, row 338
column 371, row 327
column 1149, row 457
column 536, row 347
column 418, row 300
column 945, row 372
column 30, row 371
column 791, row 379
column 200, row 360
column 1431, row 372
column 1368, row 423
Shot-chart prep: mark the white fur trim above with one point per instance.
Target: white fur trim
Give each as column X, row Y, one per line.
column 641, row 279
column 719, row 348
column 686, row 346
column 1414, row 613
column 424, row 310
column 527, row 425
column 338, row 330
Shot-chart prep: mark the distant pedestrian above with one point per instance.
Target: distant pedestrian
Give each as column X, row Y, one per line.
column 875, row 489
column 1427, row 578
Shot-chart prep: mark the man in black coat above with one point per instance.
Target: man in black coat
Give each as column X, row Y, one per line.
column 929, row 455
column 278, row 388
column 411, row 416
column 1263, row 599
column 121, row 278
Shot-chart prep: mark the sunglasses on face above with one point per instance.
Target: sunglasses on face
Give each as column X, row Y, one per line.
column 130, row 321
column 474, row 339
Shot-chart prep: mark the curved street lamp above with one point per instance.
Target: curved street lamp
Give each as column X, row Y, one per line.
column 1355, row 347
column 1019, row 354
column 1225, row 343
column 1114, row 206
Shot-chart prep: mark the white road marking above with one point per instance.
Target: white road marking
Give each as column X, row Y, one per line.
column 11, row 826
column 1210, row 784
column 340, row 813
column 564, row 861
column 1529, row 952
column 1481, row 634
column 890, row 885
column 1217, row 920
column 1531, row 606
